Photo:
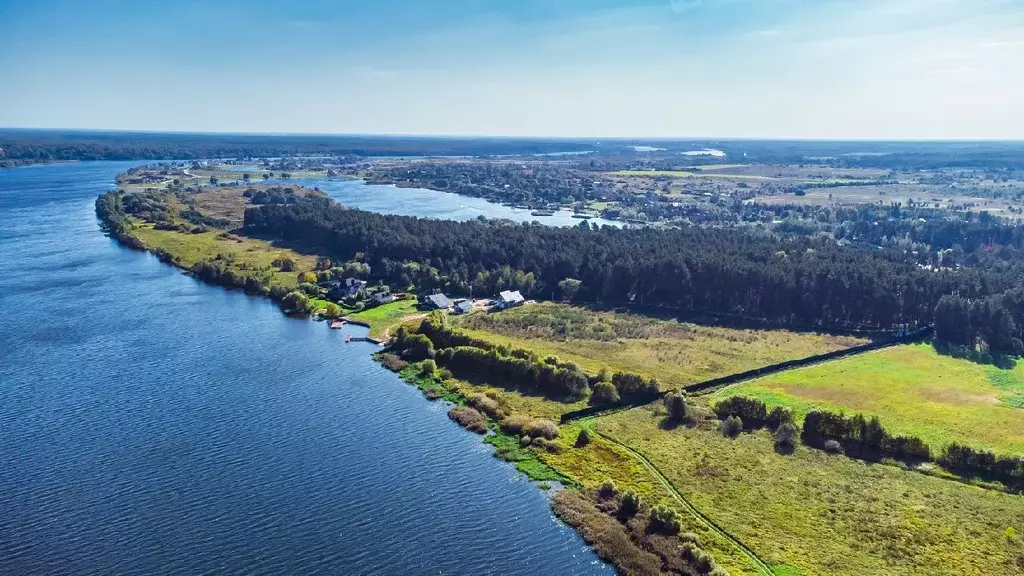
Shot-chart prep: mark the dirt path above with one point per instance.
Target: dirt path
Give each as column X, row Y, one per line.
column 762, row 566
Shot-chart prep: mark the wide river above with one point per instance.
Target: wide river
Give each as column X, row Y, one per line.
column 151, row 424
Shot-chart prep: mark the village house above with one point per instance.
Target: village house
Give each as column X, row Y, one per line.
column 508, row 299
column 383, row 296
column 437, row 302
column 463, row 306
column 337, row 289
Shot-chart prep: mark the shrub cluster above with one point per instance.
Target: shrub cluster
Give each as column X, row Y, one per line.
column 753, row 412
column 860, row 437
column 558, row 380
column 634, row 387
column 469, row 418
column 1007, row 469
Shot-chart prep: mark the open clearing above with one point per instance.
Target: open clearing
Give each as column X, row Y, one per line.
column 675, row 353
column 913, row 390
column 247, row 254
column 812, row 513
column 386, row 317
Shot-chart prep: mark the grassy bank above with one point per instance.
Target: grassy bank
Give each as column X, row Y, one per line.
column 385, row 318
column 914, row 390
column 814, row 513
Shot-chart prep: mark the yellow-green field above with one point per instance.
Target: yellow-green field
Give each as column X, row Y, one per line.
column 814, row 513
column 913, row 390
column 675, row 353
column 247, row 253
column 385, row 318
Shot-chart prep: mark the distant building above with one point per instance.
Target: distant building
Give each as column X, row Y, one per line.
column 437, row 302
column 509, row 299
column 463, row 306
column 384, row 296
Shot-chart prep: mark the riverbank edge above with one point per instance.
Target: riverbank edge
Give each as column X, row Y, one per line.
column 506, row 447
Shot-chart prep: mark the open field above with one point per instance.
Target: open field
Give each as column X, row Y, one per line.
column 812, row 513
column 246, row 254
column 229, row 203
column 913, row 390
column 675, row 353
column 386, row 317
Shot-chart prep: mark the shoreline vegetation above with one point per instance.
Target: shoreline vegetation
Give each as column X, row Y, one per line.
column 673, row 487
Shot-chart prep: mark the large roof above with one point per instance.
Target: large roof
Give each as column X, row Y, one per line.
column 511, row 296
column 439, row 300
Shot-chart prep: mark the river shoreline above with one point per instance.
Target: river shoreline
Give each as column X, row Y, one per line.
column 506, row 447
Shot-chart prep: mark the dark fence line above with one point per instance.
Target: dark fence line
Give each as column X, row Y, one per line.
column 909, row 337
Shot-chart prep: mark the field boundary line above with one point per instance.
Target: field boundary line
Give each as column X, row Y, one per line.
column 723, row 381
column 761, row 565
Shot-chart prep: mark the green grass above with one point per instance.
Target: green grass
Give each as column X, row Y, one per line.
column 675, row 353
column 812, row 513
column 385, row 317
column 913, row 390
column 248, row 253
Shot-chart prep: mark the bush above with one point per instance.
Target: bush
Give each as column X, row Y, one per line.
column 392, row 362
column 833, row 447
column 663, row 520
column 514, row 424
column 690, row 537
column 751, row 411
column 785, row 437
column 732, row 426
column 428, row 368
column 629, row 505
column 296, row 302
column 331, row 311
column 541, row 428
column 469, row 418
column 677, row 408
column 485, row 404
column 604, row 394
column 780, row 415
column 583, row 439
column 607, row 489
column 634, row 387
column 697, row 558
column 549, row 445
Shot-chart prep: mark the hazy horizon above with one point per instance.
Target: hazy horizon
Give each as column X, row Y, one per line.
column 881, row 70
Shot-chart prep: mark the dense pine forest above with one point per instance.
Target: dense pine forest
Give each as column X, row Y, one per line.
column 785, row 278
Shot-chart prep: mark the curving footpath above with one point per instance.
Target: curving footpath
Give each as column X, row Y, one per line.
column 762, row 566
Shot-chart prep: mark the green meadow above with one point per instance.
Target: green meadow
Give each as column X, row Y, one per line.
column 913, row 390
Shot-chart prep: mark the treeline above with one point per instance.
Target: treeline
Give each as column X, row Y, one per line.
column 114, row 220
column 964, row 322
column 272, row 195
column 48, row 146
column 518, row 368
column 802, row 280
column 866, row 438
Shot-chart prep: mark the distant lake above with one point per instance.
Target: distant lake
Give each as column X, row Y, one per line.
column 152, row 424
column 389, row 199
column 705, row 152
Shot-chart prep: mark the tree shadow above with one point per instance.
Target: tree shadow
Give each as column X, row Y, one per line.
column 1002, row 361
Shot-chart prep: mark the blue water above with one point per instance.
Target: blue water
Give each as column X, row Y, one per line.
column 151, row 424
column 389, row 199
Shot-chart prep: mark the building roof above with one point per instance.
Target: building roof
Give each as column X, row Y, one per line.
column 439, row 300
column 464, row 306
column 509, row 296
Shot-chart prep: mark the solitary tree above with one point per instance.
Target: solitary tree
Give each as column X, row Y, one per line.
column 569, row 287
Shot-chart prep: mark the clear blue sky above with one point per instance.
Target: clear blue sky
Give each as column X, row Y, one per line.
column 679, row 68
